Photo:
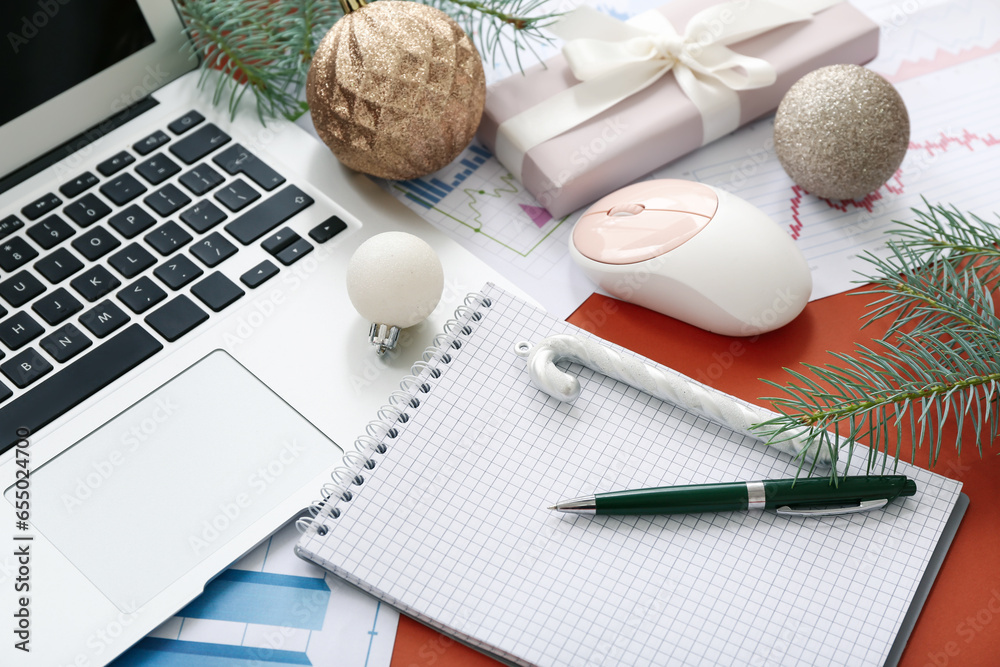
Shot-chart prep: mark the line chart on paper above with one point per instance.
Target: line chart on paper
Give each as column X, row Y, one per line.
column 478, row 202
column 946, row 163
column 943, row 58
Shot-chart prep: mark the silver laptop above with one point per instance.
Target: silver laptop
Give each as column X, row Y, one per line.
column 180, row 365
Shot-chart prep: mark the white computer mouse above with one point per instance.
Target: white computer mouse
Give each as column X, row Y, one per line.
column 696, row 253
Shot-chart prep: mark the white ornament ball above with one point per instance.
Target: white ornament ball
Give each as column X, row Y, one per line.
column 395, row 279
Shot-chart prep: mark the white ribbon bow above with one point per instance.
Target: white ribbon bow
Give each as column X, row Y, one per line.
column 614, row 60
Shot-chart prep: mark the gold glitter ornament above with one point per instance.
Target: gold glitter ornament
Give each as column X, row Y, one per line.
column 396, row 89
column 841, row 131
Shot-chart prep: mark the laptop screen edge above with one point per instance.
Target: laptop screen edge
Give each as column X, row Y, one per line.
column 103, row 95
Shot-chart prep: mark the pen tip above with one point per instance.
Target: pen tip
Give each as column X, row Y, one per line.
column 554, row 507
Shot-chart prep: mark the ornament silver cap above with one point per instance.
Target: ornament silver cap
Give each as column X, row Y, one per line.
column 383, row 337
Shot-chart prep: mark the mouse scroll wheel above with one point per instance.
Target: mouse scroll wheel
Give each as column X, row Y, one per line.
column 627, row 209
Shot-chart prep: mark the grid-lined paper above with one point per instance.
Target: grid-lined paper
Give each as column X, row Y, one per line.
column 451, row 527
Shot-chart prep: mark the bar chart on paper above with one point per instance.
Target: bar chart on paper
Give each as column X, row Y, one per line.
column 272, row 608
column 478, row 202
column 940, row 59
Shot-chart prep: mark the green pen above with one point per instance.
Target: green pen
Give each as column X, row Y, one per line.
column 810, row 496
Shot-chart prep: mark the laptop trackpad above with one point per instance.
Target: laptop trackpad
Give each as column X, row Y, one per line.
column 140, row 501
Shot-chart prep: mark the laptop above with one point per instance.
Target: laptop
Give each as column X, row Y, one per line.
column 180, row 366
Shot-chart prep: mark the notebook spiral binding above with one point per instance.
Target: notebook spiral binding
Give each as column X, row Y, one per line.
column 372, row 442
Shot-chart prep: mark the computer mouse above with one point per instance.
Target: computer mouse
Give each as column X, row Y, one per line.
column 696, row 253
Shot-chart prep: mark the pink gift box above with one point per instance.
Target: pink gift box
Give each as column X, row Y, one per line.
column 660, row 124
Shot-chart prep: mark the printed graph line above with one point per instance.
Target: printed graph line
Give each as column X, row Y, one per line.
column 942, row 59
column 372, row 633
column 479, row 230
column 933, row 147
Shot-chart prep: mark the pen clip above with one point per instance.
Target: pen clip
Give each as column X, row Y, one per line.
column 863, row 506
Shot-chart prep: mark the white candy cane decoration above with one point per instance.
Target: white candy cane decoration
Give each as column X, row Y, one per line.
column 677, row 389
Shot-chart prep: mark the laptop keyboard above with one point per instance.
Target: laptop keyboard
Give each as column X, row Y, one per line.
column 88, row 275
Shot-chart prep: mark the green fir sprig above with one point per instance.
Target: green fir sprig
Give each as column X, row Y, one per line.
column 938, row 364
column 265, row 47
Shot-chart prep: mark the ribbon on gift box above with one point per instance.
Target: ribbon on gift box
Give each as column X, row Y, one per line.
column 614, row 60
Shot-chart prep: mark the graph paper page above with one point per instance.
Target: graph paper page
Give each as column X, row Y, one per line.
column 451, row 527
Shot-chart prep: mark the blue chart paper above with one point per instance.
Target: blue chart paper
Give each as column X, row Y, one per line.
column 272, row 609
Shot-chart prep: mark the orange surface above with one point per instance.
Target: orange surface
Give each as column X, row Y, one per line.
column 960, row 623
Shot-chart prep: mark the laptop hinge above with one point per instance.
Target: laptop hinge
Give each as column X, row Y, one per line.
column 66, row 149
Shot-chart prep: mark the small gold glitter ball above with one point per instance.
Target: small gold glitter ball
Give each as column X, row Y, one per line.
column 841, row 131
column 396, row 89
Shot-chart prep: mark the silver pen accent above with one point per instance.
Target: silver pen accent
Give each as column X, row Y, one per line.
column 581, row 505
column 755, row 496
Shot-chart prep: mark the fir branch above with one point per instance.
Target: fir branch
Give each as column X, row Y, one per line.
column 266, row 46
column 938, row 363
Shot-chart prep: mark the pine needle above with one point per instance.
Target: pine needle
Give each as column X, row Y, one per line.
column 266, row 46
column 938, row 363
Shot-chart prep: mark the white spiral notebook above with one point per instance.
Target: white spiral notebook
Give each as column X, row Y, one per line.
column 441, row 512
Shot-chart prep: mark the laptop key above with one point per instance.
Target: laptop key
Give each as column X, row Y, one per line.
column 94, row 283
column 199, row 144
column 104, row 318
column 167, row 238
column 131, row 260
column 142, row 295
column 167, row 200
column 41, row 206
column 280, row 240
column 327, row 230
column 15, row 253
column 50, row 232
column 237, row 195
column 19, row 329
column 200, row 179
column 176, row 318
column 65, row 343
column 25, row 368
column 115, row 163
column 57, row 306
column 157, row 169
column 87, row 210
column 132, row 221
column 81, row 379
column 213, row 249
column 259, row 274
column 58, row 265
column 5, row 392
column 79, row 184
column 294, row 252
column 151, row 143
column 203, row 216
column 96, row 243
column 177, row 271
column 238, row 160
column 270, row 213
column 185, row 122
column 21, row 288
column 217, row 291
column 9, row 225
column 123, row 189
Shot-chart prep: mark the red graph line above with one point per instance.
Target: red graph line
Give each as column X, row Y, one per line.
column 895, row 185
